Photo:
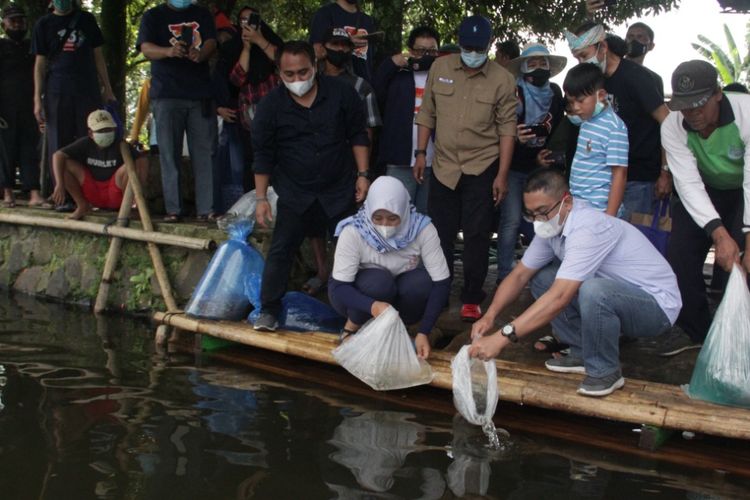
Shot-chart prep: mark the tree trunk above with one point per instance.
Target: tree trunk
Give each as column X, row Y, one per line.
column 389, row 15
column 114, row 26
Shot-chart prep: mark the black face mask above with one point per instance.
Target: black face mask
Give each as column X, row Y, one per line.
column 353, row 2
column 636, row 49
column 16, row 35
column 538, row 77
column 421, row 64
column 338, row 58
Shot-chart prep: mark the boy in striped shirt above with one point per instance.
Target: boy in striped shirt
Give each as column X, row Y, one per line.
column 598, row 173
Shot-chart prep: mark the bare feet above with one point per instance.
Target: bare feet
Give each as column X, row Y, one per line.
column 80, row 212
column 35, row 199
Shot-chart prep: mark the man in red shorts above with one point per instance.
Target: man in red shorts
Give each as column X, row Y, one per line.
column 92, row 170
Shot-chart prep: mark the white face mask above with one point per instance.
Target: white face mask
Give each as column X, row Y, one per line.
column 387, row 232
column 103, row 139
column 301, row 88
column 550, row 228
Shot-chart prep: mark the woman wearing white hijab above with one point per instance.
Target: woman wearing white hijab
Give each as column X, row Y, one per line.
column 389, row 254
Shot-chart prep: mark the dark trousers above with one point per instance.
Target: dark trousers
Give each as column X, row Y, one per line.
column 288, row 234
column 21, row 141
column 65, row 119
column 407, row 293
column 468, row 207
column 688, row 246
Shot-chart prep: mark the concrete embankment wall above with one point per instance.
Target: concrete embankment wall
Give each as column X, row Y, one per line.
column 67, row 265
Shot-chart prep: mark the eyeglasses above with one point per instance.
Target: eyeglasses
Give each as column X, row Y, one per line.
column 539, row 216
column 424, row 52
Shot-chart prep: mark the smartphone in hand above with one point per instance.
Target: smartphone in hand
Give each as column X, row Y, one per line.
column 538, row 129
column 187, row 35
column 254, row 20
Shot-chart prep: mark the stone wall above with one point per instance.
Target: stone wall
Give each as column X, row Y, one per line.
column 67, row 266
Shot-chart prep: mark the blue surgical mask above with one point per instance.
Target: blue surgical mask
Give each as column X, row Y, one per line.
column 180, row 4
column 473, row 59
column 575, row 119
column 62, row 5
column 598, row 108
column 602, row 65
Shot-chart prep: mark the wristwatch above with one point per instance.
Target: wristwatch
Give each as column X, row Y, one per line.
column 509, row 331
column 364, row 173
column 665, row 168
column 418, row 152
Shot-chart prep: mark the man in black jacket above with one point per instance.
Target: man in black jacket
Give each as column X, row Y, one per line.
column 399, row 86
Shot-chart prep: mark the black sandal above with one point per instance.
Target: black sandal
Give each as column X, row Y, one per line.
column 551, row 345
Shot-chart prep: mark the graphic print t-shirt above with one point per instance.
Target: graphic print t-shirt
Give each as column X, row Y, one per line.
column 72, row 70
column 101, row 162
column 172, row 77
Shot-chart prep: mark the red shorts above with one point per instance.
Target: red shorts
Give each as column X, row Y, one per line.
column 101, row 194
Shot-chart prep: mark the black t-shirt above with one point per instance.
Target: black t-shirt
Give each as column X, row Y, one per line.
column 101, row 162
column 172, row 77
column 16, row 74
column 636, row 95
column 356, row 23
column 71, row 66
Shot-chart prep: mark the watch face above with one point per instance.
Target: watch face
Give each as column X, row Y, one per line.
column 507, row 329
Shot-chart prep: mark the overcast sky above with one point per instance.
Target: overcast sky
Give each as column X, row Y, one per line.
column 674, row 32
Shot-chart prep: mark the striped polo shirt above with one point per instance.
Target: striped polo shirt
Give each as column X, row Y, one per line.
column 602, row 144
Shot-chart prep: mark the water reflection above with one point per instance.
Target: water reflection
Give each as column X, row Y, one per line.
column 88, row 409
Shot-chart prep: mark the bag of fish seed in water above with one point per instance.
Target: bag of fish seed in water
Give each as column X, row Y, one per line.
column 382, row 355
column 722, row 370
column 475, row 391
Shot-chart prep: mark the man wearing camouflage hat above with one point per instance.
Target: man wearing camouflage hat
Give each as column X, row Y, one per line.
column 707, row 141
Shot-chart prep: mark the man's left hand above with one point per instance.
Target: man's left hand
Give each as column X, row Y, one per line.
column 499, row 189
column 361, row 187
column 422, row 343
column 486, row 348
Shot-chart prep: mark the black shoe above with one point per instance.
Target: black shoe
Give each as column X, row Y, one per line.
column 266, row 322
column 68, row 206
column 673, row 342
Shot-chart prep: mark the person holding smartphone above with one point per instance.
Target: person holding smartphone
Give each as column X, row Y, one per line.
column 540, row 110
column 179, row 38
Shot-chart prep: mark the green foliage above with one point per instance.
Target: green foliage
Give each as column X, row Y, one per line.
column 141, row 287
column 730, row 65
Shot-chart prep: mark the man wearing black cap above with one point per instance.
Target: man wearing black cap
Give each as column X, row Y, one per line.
column 707, row 141
column 21, row 136
column 471, row 106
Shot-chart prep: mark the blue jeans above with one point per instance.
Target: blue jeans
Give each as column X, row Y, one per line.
column 600, row 312
column 229, row 165
column 417, row 192
column 174, row 118
column 510, row 220
column 407, row 293
column 638, row 197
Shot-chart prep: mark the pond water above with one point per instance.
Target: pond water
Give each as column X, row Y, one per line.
column 89, row 409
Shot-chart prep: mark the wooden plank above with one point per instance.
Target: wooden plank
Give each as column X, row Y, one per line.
column 639, row 402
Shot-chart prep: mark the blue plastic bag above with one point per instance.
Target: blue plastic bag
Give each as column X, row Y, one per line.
column 658, row 228
column 252, row 283
column 220, row 294
column 302, row 313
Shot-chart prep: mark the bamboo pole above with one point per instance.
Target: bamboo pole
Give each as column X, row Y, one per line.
column 113, row 254
column 104, row 229
column 660, row 405
column 159, row 269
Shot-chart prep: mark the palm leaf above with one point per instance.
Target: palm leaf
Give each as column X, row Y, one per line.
column 704, row 52
column 725, row 72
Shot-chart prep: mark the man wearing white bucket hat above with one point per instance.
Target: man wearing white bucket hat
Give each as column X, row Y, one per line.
column 540, row 109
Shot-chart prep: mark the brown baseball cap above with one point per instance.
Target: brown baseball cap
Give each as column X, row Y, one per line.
column 693, row 83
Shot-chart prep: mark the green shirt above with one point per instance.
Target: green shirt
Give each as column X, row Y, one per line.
column 720, row 156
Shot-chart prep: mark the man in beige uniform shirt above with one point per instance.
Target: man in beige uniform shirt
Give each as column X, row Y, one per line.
column 470, row 104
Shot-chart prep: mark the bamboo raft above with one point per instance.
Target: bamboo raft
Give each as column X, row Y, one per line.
column 639, row 402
